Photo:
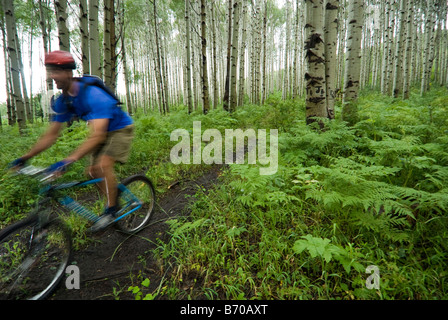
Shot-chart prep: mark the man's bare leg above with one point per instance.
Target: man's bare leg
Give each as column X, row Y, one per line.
column 104, row 168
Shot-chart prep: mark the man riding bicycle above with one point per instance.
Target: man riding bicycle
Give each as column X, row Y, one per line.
column 111, row 129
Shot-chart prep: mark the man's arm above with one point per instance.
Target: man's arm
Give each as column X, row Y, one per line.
column 46, row 141
column 98, row 133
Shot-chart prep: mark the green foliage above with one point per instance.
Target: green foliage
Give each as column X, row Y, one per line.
column 138, row 291
column 150, row 154
column 342, row 199
column 324, row 249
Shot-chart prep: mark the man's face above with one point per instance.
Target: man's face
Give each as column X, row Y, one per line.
column 62, row 77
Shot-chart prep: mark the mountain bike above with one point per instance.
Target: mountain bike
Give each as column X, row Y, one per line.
column 35, row 252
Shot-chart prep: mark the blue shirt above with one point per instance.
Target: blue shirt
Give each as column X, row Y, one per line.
column 92, row 104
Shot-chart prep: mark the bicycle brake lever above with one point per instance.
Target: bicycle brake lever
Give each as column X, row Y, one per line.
column 48, row 177
column 30, row 171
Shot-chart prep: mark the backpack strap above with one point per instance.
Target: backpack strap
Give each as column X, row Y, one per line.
column 91, row 80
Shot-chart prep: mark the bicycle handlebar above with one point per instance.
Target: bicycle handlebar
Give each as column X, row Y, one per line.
column 33, row 171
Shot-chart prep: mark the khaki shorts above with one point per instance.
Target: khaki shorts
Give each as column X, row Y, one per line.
column 117, row 145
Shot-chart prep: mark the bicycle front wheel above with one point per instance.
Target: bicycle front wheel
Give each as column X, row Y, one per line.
column 136, row 196
column 33, row 258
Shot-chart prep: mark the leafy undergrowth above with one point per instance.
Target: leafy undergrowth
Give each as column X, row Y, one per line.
column 150, row 155
column 342, row 200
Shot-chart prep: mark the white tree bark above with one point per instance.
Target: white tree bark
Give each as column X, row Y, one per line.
column 353, row 60
column 316, row 106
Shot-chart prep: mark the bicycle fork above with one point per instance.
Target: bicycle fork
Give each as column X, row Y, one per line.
column 131, row 202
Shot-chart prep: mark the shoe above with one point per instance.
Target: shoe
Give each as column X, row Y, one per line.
column 105, row 220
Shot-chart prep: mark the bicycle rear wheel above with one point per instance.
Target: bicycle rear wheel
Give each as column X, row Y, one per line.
column 136, row 194
column 33, row 258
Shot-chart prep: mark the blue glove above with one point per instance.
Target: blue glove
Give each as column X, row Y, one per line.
column 60, row 166
column 20, row 162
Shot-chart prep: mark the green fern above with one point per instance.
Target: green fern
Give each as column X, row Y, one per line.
column 324, row 249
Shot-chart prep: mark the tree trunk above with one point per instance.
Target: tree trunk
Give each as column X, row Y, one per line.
column 204, row 77
column 95, row 54
column 399, row 49
column 315, row 62
column 28, row 113
column 63, row 33
column 353, row 61
column 295, row 70
column 226, row 99
column 285, row 91
column 428, row 57
column 407, row 50
column 110, row 42
column 84, row 29
column 234, row 57
column 106, row 45
column 214, row 62
column 162, row 93
column 16, row 93
column 164, row 67
column 264, row 79
column 386, row 44
column 125, row 65
column 188, row 53
column 331, row 29
column 257, row 53
column 9, row 107
column 45, row 39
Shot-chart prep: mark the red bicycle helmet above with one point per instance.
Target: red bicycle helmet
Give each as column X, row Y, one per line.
column 60, row 59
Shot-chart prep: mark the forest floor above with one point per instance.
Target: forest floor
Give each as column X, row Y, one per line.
column 115, row 261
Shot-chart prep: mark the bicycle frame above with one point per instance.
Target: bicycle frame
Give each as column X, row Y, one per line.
column 74, row 206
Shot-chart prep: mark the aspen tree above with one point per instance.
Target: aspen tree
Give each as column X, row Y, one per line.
column 226, row 100
column 204, row 76
column 436, row 51
column 341, row 41
column 331, row 29
column 188, row 56
column 416, row 46
column 444, row 49
column 352, row 61
column 376, row 68
column 107, row 46
column 84, row 29
column 163, row 56
column 286, row 52
column 45, row 39
column 386, row 44
column 390, row 52
column 428, row 57
column 242, row 80
column 407, row 50
column 214, row 57
column 256, row 53
column 295, row 67
column 124, row 59
column 234, row 56
column 399, row 49
column 16, row 91
column 29, row 116
column 163, row 104
column 95, row 65
column 264, row 79
column 315, row 62
column 63, row 33
column 10, row 111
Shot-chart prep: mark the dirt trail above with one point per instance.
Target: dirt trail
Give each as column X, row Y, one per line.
column 114, row 259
